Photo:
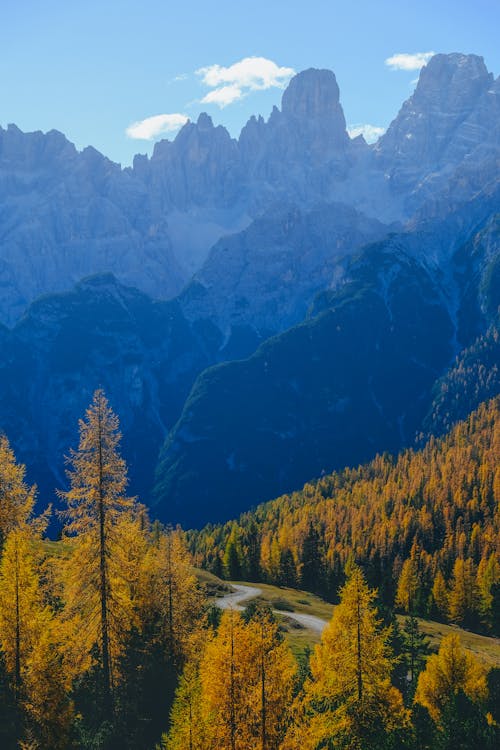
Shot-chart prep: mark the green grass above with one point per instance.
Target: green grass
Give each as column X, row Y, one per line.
column 484, row 647
column 212, row 585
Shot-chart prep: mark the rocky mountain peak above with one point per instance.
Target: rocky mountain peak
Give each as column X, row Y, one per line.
column 204, row 122
column 35, row 148
column 312, row 94
column 453, row 81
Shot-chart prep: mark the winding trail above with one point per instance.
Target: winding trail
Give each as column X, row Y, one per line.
column 243, row 593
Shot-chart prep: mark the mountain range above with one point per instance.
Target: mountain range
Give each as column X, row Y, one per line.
column 267, row 308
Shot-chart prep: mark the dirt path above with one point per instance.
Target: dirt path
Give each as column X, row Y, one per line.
column 241, row 593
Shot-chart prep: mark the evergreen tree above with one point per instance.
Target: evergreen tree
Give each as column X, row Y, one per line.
column 252, row 556
column 311, row 575
column 232, row 557
column 287, row 575
column 415, row 650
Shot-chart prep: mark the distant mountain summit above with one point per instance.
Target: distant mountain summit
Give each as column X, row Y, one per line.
column 66, row 214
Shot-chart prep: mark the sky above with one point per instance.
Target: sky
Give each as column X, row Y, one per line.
column 121, row 74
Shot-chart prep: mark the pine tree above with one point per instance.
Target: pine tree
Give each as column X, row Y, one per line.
column 311, row 576
column 232, row 557
column 415, row 649
column 96, row 594
column 252, row 552
column 287, row 575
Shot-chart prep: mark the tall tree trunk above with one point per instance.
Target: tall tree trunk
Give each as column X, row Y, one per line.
column 263, row 691
column 232, row 691
column 17, row 669
column 170, row 595
column 106, row 661
column 359, row 672
column 190, row 724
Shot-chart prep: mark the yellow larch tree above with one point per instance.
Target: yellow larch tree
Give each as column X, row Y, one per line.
column 175, row 595
column 270, row 684
column 440, row 594
column 235, row 693
column 98, row 606
column 16, row 497
column 447, row 673
column 30, row 640
column 408, row 585
column 488, row 576
column 187, row 719
column 463, row 596
column 349, row 700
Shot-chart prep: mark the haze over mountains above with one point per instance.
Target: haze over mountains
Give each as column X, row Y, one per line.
column 388, row 252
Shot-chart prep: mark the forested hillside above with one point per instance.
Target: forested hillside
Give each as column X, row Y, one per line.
column 425, row 527
column 108, row 641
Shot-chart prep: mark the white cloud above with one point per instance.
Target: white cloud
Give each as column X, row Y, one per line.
column 223, row 96
column 405, row 61
column 231, row 83
column 371, row 133
column 152, row 127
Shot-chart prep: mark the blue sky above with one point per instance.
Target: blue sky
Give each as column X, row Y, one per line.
column 92, row 69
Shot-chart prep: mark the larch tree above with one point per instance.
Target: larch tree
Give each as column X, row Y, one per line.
column 97, row 595
column 349, row 700
column 176, row 593
column 408, row 586
column 440, row 595
column 450, row 671
column 187, row 721
column 488, row 576
column 463, row 597
column 29, row 640
column 453, row 689
column 16, row 497
column 236, row 690
column 270, row 683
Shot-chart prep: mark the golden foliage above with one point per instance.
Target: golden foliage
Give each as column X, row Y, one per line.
column 451, row 670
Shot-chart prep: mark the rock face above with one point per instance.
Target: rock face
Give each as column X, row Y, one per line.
column 264, row 278
column 357, row 377
column 65, row 214
column 101, row 334
column 352, row 380
column 449, row 125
